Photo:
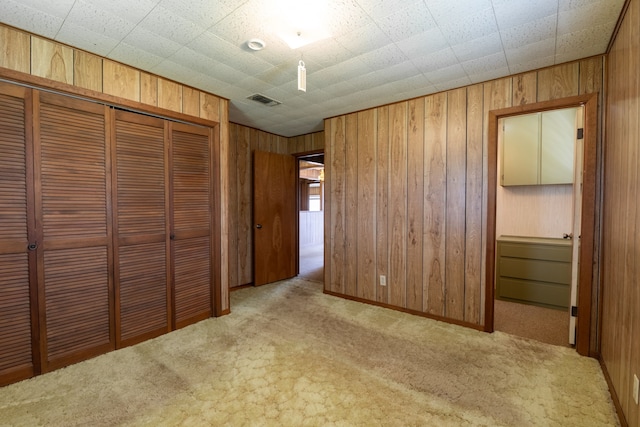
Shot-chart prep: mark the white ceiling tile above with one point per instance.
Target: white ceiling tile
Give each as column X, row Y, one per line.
column 151, row 42
column 532, row 65
column 387, row 56
column 131, row 11
column 283, row 74
column 407, row 22
column 531, row 32
column 588, row 15
column 26, row 18
column 364, row 39
column 377, row 9
column 171, row 26
column 484, row 64
column 59, row 8
column 326, row 53
column 203, row 13
column 540, row 49
column 252, row 84
column 134, row 56
column 477, row 48
column 401, row 71
column 442, row 75
column 583, row 43
column 345, row 16
column 487, row 75
column 510, row 13
column 252, row 19
column 424, row 43
column 460, row 30
column 444, row 11
column 177, row 72
column 342, row 71
column 96, row 18
column 453, row 83
column 86, row 39
column 435, row 61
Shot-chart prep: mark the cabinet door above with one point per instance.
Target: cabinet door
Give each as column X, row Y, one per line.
column 520, row 150
column 558, row 145
column 72, row 165
column 18, row 355
column 191, row 183
column 141, row 240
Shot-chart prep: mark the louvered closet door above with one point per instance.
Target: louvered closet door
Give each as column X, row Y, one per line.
column 191, row 225
column 18, row 359
column 75, row 264
column 140, row 205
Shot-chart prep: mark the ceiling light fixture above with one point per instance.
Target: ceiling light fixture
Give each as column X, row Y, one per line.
column 302, row 76
column 256, row 44
column 300, row 23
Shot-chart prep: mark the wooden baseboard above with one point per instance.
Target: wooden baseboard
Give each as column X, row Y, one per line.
column 614, row 395
column 235, row 288
column 409, row 311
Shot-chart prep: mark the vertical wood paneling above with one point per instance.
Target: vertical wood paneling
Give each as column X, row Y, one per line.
column 51, row 60
column 245, row 238
column 351, row 205
column 190, row 101
column 149, row 89
column 415, row 203
column 397, row 279
column 209, row 107
column 337, row 187
column 382, row 203
column 558, row 82
column 525, row 87
column 87, row 71
column 169, row 95
column 435, row 163
column 120, row 80
column 366, row 222
column 234, row 201
column 474, row 289
column 456, row 203
column 15, row 49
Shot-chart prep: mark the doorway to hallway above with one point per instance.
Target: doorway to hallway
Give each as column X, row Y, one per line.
column 311, row 217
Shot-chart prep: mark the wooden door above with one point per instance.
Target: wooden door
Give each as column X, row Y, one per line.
column 274, row 217
column 141, row 241
column 75, row 265
column 191, row 225
column 19, row 337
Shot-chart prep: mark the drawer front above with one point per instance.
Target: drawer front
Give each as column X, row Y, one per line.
column 549, row 295
column 536, row 270
column 558, row 253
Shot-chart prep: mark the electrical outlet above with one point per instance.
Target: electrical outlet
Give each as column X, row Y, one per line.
column 383, row 280
column 636, row 388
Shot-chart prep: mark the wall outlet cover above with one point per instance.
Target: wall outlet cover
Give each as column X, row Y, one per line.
column 383, row 280
column 636, row 387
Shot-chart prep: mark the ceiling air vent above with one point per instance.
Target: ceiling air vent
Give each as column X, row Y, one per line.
column 264, row 100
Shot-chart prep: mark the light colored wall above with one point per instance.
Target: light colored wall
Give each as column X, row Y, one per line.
column 621, row 229
column 406, row 189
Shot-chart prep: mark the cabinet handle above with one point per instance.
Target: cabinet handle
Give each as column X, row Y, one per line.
column 32, row 246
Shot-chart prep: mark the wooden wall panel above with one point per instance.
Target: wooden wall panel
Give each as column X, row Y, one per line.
column 120, row 80
column 149, row 89
column 234, row 201
column 51, row 60
column 525, row 87
column 620, row 349
column 169, row 95
column 351, row 205
column 474, row 291
column 336, row 229
column 397, row 279
column 245, row 206
column 382, row 203
column 15, row 49
column 415, row 204
column 456, row 203
column 87, row 71
column 435, row 161
column 190, row 101
column 366, row 219
column 558, row 82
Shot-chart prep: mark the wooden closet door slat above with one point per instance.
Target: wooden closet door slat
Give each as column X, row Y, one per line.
column 16, row 281
column 73, row 170
column 191, row 210
column 140, row 209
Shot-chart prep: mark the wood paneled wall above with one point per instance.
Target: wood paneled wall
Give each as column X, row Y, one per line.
column 243, row 142
column 620, row 350
column 64, row 68
column 407, row 190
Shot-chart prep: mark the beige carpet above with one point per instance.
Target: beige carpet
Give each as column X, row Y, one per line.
column 312, row 262
column 289, row 355
column 530, row 321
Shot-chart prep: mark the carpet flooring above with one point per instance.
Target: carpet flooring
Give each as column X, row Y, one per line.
column 289, row 355
column 529, row 321
column 312, row 262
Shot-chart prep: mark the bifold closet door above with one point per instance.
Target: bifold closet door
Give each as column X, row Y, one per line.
column 141, row 243
column 18, row 334
column 75, row 265
column 191, row 207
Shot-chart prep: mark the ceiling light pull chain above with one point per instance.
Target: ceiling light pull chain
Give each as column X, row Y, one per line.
column 302, row 76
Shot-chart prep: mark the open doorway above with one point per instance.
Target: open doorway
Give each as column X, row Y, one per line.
column 311, row 217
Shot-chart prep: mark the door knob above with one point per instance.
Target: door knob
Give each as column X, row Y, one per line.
column 258, row 226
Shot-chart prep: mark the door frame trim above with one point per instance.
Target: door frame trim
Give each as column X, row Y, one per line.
column 585, row 284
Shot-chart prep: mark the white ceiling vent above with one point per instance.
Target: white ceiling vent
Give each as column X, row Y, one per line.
column 264, row 100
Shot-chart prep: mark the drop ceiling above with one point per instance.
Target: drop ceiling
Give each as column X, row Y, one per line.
column 378, row 52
